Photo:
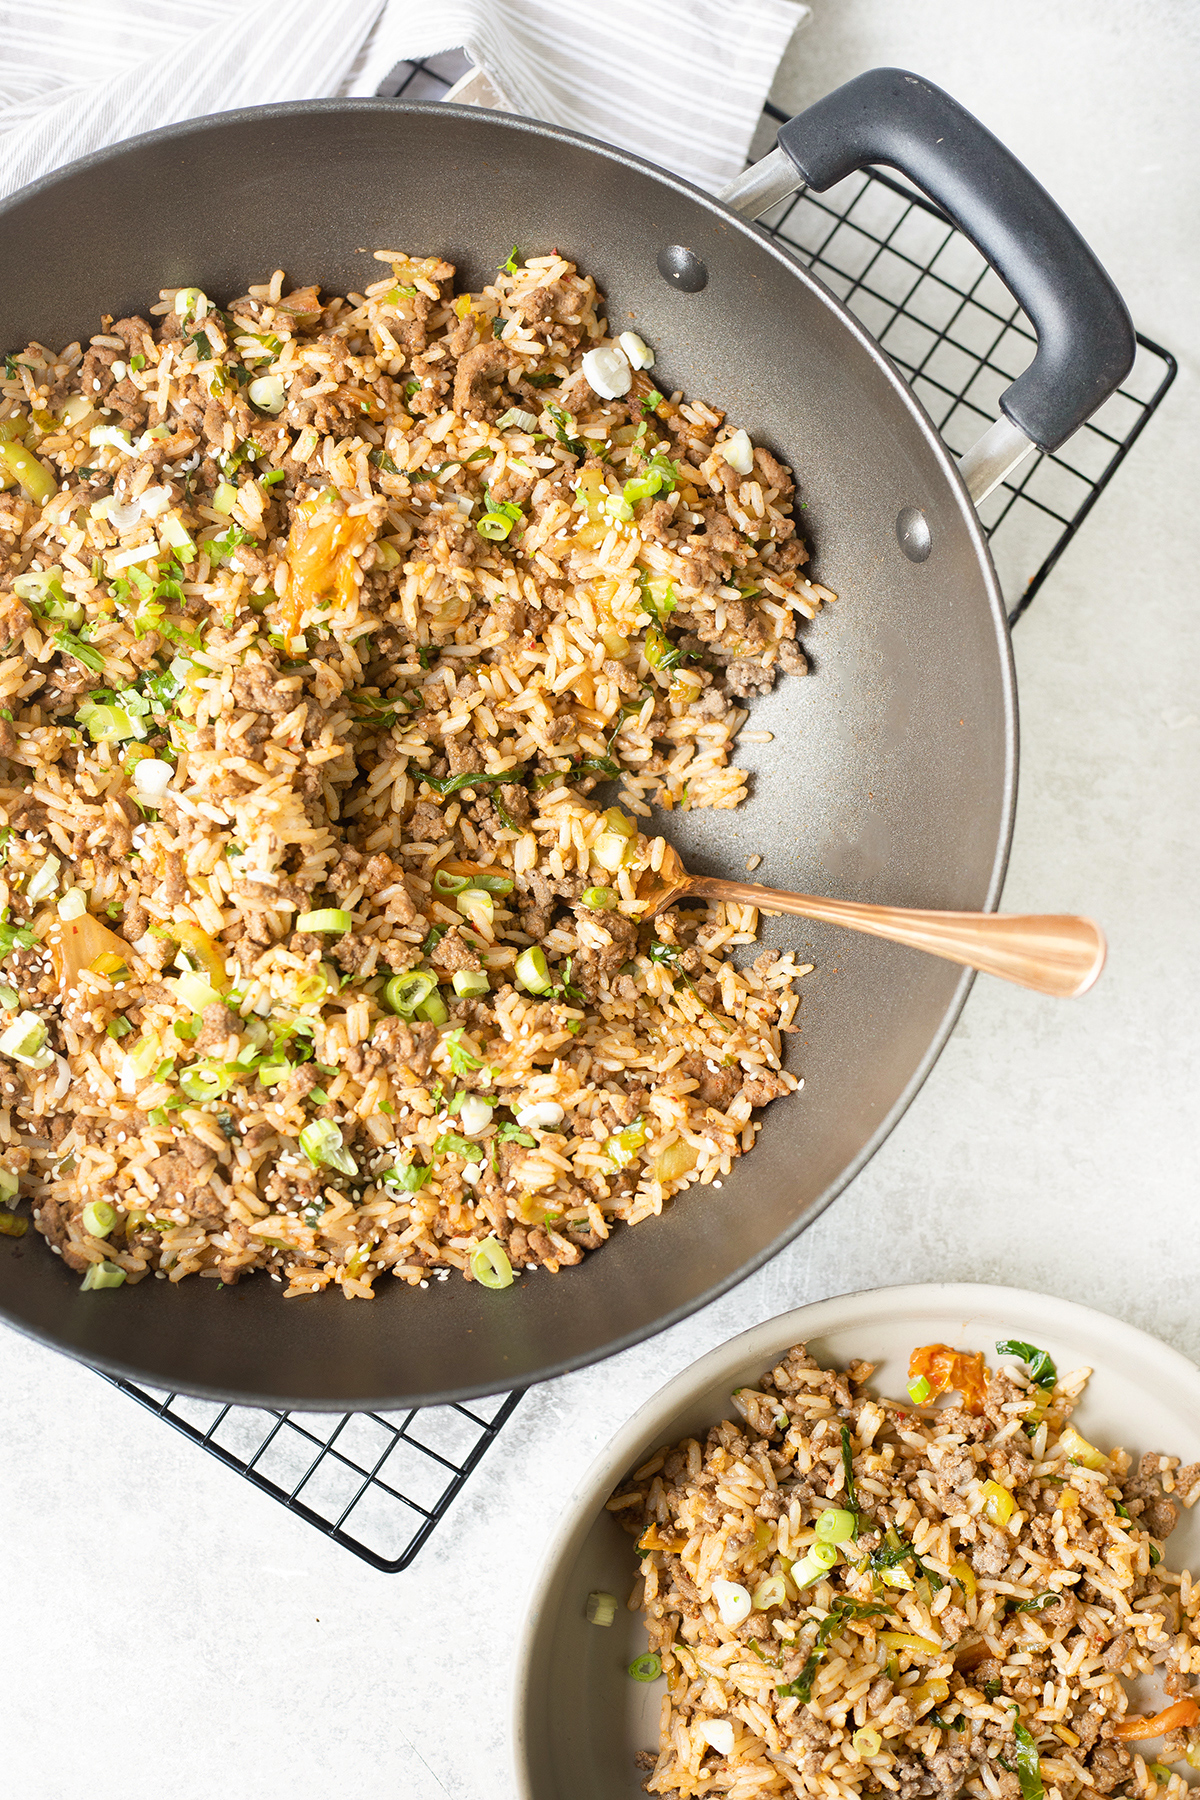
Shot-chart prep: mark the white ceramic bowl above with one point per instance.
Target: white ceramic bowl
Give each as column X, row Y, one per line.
column 578, row 1717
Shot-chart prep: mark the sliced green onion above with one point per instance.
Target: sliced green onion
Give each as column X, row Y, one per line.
column 531, row 970
column 195, row 992
column 468, row 983
column 323, row 1145
column 174, row 533
column 613, row 852
column 37, row 483
column 326, row 918
column 600, row 899
column 769, row 1593
column 433, row 1010
column 646, row 1668
column 445, row 883
column 489, row 1264
column 25, row 1041
column 224, row 497
column 11, row 1226
column 9, row 996
column 836, row 1526
column 273, row 1072
column 867, row 1742
column 495, row 526
column 405, row 993
column 111, row 437
column 99, row 1218
column 312, row 987
column 919, row 1391
column 622, row 1146
column 207, row 1081
column 267, row 393
column 188, row 299
column 44, row 881
column 601, row 1608
column 102, row 1275
column 819, row 1560
column 42, row 586
column 516, row 415
column 110, row 724
column 10, row 1185
column 477, row 906
column 119, row 1028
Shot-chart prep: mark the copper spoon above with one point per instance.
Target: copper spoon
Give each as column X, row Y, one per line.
column 1053, row 953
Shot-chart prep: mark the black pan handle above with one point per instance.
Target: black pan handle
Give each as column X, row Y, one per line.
column 1085, row 336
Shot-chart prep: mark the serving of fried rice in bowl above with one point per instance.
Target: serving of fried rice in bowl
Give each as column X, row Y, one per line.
column 325, row 619
column 923, row 1541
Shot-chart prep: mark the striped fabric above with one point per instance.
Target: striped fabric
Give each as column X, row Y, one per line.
column 679, row 81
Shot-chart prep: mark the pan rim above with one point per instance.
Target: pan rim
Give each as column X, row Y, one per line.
column 281, row 112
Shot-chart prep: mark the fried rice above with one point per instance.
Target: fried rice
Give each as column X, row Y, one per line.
column 995, row 1580
column 325, row 618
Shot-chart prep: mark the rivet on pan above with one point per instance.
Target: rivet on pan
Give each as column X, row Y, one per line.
column 912, row 529
column 682, row 268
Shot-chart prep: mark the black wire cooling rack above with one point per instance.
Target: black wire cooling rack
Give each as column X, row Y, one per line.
column 378, row 1483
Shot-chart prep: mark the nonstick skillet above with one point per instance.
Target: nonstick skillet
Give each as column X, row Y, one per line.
column 892, row 769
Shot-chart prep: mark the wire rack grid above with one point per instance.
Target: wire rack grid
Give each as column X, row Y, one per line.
column 378, row 1483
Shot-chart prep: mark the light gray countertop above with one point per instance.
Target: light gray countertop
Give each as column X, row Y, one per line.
column 172, row 1631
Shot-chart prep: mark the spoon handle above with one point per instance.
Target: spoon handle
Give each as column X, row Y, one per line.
column 1053, row 953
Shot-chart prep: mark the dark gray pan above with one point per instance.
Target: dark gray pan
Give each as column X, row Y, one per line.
column 891, row 773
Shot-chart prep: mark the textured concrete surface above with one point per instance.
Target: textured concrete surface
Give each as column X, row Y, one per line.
column 171, row 1630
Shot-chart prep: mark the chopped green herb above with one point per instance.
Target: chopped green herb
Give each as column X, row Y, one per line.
column 511, row 266
column 461, row 1060
column 840, row 1613
column 137, row 364
column 659, row 606
column 498, row 324
column 452, row 784
column 991, row 1689
column 935, row 1718
column 848, row 1468
column 542, row 378
column 1028, row 1770
column 1051, row 1598
column 15, row 937
column 74, row 646
column 562, row 420
column 409, row 1179
column 382, row 460
column 450, row 1141
column 508, row 1133
column 221, row 547
column 653, row 399
column 1038, row 1362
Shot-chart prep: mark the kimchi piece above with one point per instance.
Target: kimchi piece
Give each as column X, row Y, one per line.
column 943, row 1370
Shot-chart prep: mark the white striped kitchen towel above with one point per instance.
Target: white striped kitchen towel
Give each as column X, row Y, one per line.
column 681, row 82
